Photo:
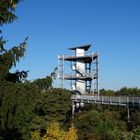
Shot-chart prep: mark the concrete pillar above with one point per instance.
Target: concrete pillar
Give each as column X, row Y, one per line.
column 80, row 66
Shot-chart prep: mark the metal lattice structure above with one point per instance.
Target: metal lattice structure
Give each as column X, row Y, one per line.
column 84, row 76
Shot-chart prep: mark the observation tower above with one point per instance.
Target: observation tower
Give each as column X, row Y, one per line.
column 84, row 70
column 84, row 80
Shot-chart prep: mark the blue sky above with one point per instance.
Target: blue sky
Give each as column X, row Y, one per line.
column 111, row 26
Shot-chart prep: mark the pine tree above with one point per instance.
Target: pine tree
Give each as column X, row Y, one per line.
column 7, row 7
column 9, row 58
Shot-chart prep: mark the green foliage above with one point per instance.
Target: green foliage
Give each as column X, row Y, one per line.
column 17, row 105
column 6, row 13
column 136, row 134
column 132, row 135
column 107, row 128
column 123, row 91
column 9, row 58
column 129, row 91
column 24, row 108
column 107, row 92
column 95, row 125
column 54, row 73
column 53, row 105
column 44, row 83
column 134, row 120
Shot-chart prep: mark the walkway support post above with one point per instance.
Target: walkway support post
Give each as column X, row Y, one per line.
column 128, row 113
column 73, row 109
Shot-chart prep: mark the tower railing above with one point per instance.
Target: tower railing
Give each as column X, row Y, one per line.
column 79, row 56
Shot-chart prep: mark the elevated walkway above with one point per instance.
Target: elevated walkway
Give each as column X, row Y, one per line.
column 127, row 101
column 110, row 100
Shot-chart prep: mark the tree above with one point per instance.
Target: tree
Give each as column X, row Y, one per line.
column 9, row 58
column 72, row 133
column 53, row 105
column 54, row 132
column 100, row 126
column 12, row 97
column 44, row 83
column 134, row 119
column 17, row 104
column 6, row 13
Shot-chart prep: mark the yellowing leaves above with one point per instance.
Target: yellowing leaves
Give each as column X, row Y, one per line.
column 71, row 134
column 36, row 135
column 54, row 132
column 13, row 4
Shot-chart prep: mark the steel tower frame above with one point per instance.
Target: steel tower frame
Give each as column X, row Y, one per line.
column 84, row 77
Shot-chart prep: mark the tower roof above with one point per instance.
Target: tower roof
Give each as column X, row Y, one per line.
column 85, row 47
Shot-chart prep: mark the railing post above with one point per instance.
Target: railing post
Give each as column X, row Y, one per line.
column 127, row 100
column 102, row 99
column 109, row 100
column 119, row 100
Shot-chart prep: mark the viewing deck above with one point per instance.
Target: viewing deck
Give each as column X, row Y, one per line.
column 75, row 77
column 85, row 57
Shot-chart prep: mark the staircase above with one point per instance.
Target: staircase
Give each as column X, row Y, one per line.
column 82, row 73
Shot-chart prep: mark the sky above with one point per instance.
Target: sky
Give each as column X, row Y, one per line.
column 53, row 26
